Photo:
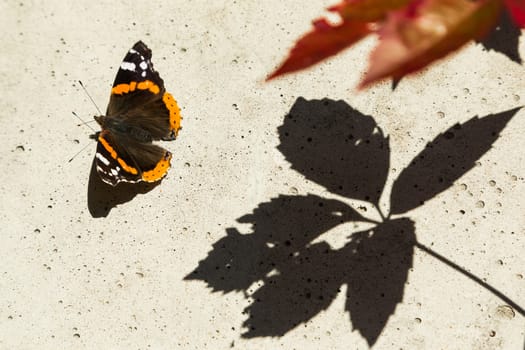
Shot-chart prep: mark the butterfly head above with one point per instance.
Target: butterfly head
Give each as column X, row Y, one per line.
column 100, row 119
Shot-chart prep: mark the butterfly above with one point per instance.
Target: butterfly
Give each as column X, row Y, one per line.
column 139, row 112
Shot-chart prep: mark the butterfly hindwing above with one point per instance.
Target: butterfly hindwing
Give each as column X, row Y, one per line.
column 113, row 163
column 124, row 159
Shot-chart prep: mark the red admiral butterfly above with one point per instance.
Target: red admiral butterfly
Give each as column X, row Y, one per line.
column 139, row 112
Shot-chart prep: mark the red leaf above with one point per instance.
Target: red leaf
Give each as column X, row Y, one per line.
column 367, row 10
column 324, row 41
column 427, row 30
column 517, row 9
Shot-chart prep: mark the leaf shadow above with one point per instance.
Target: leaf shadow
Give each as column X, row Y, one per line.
column 384, row 258
column 444, row 160
column 337, row 147
column 504, row 38
column 286, row 269
column 101, row 197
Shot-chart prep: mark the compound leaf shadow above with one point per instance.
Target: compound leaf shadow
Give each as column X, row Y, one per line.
column 294, row 273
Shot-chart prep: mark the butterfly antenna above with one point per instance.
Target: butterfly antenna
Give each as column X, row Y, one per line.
column 83, row 148
column 87, row 93
column 83, row 122
column 86, row 123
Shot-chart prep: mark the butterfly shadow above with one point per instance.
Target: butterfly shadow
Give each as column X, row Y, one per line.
column 102, row 197
column 288, row 271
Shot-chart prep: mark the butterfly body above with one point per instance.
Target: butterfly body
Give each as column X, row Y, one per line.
column 118, row 126
column 139, row 112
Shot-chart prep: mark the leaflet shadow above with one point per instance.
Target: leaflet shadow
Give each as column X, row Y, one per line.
column 336, row 146
column 102, row 197
column 504, row 38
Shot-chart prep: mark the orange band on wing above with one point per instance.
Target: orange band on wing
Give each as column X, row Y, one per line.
column 143, row 85
column 174, row 109
column 114, row 155
column 159, row 171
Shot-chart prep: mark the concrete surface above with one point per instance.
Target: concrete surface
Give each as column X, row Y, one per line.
column 182, row 265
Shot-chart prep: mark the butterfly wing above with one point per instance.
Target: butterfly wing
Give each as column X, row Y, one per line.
column 123, row 159
column 139, row 111
column 138, row 96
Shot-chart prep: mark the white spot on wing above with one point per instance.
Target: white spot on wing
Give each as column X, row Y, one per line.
column 101, row 170
column 132, row 51
column 102, row 159
column 143, row 74
column 128, row 66
column 114, row 172
column 143, row 65
column 123, row 179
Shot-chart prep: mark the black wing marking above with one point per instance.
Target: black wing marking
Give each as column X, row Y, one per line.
column 136, row 66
